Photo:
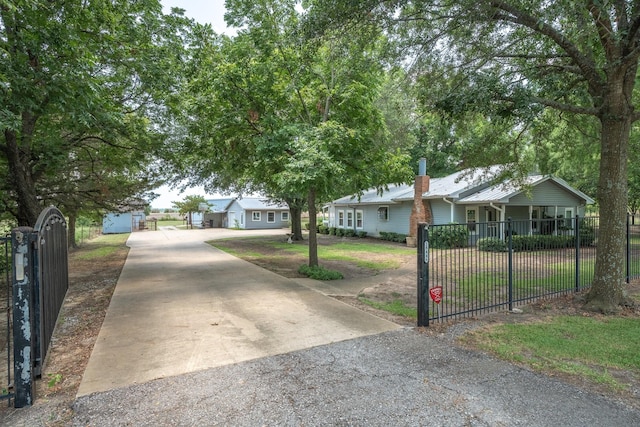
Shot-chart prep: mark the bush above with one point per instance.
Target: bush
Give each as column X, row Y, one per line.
column 319, row 273
column 362, row 234
column 322, row 229
column 587, row 233
column 349, row 233
column 332, row 231
column 393, row 237
column 536, row 242
column 492, row 244
column 449, row 236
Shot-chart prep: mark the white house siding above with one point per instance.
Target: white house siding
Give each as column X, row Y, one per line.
column 250, row 224
column 245, row 218
column 398, row 218
column 441, row 212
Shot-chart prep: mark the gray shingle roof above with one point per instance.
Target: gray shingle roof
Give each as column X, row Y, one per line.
column 455, row 185
column 259, row 204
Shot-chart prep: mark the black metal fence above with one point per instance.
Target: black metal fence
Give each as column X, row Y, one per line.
column 34, row 280
column 6, row 337
column 469, row 269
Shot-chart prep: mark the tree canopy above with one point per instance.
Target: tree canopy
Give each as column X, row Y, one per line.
column 84, row 92
column 510, row 61
column 294, row 119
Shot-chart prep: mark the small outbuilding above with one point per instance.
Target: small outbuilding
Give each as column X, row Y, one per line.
column 127, row 218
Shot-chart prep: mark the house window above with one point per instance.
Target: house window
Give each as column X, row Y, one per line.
column 383, row 213
column 256, row 216
column 471, row 219
column 350, row 219
column 341, row 219
column 271, row 217
column 359, row 219
column 568, row 218
column 284, row 216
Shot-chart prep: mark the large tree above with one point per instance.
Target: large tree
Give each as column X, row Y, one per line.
column 513, row 59
column 294, row 119
column 77, row 75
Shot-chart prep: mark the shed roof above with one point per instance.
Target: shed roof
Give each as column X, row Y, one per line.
column 260, row 204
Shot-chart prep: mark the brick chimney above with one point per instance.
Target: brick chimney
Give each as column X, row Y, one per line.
column 421, row 211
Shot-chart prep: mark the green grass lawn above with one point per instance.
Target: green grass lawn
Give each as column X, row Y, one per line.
column 597, row 348
column 350, row 251
column 103, row 245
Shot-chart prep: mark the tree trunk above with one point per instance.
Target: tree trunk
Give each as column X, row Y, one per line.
column 71, row 232
column 296, row 207
column 607, row 289
column 313, row 238
column 28, row 206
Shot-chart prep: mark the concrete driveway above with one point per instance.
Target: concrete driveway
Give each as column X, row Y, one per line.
column 181, row 306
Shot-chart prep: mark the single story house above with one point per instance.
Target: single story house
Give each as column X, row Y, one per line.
column 127, row 218
column 246, row 213
column 465, row 197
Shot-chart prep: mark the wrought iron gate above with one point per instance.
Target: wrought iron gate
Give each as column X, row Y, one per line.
column 6, row 338
column 40, row 282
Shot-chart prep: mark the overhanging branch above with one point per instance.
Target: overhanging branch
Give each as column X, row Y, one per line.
column 570, row 108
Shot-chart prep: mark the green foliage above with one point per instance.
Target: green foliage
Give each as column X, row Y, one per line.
column 54, row 380
column 395, row 307
column 393, row 237
column 587, row 233
column 492, row 244
column 493, row 70
column 318, row 272
column 86, row 108
column 537, row 242
column 189, row 204
column 449, row 236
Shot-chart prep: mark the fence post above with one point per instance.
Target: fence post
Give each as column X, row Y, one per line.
column 628, row 249
column 510, row 261
column 23, row 326
column 423, row 274
column 577, row 240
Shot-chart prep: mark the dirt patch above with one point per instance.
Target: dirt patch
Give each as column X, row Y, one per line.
column 263, row 252
column 91, row 284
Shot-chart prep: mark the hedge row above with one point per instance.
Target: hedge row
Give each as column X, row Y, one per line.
column 340, row 232
column 449, row 236
column 393, row 237
column 534, row 243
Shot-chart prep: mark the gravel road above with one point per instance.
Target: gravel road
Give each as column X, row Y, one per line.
column 399, row 378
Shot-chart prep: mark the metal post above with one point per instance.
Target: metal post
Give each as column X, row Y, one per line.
column 577, row 228
column 23, row 277
column 628, row 250
column 510, row 262
column 423, row 274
